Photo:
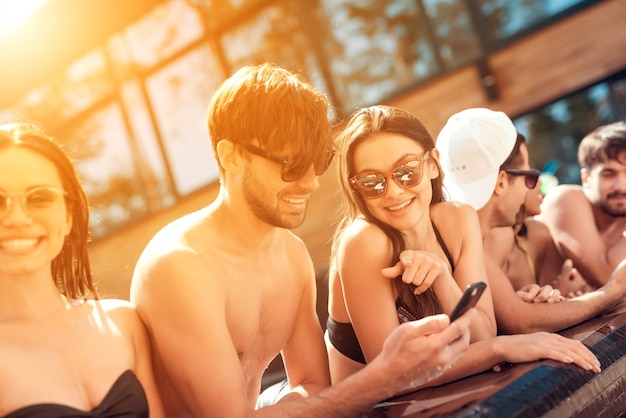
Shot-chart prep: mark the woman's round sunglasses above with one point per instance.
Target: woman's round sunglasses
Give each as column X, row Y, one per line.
column 531, row 176
column 34, row 201
column 406, row 174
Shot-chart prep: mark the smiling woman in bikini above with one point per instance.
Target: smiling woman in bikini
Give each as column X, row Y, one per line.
column 63, row 352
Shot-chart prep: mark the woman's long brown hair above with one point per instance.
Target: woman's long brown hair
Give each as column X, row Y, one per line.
column 358, row 127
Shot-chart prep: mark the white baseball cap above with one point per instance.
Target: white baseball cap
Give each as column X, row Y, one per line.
column 473, row 145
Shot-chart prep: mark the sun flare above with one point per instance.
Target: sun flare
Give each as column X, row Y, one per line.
column 12, row 12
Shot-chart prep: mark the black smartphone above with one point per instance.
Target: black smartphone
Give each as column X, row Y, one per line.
column 469, row 299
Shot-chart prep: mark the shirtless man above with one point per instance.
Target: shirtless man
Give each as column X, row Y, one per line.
column 225, row 289
column 529, row 255
column 588, row 222
column 486, row 165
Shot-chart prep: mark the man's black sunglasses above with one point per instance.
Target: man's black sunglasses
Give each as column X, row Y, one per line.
column 532, row 175
column 287, row 173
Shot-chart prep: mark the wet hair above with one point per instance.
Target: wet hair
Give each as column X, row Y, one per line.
column 275, row 107
column 604, row 143
column 357, row 128
column 71, row 270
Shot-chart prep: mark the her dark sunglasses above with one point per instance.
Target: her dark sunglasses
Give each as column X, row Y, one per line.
column 289, row 174
column 406, row 174
column 532, row 176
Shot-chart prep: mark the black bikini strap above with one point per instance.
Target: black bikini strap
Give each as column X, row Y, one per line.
column 443, row 246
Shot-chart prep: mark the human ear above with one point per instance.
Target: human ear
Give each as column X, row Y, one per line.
column 502, row 182
column 584, row 175
column 229, row 157
column 433, row 163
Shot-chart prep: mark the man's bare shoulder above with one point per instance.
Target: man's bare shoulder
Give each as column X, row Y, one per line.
column 565, row 206
column 537, row 229
column 176, row 255
column 178, row 234
column 564, row 194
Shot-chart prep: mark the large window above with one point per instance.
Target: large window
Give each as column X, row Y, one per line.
column 109, row 172
column 379, row 48
column 179, row 93
column 500, row 20
column 555, row 130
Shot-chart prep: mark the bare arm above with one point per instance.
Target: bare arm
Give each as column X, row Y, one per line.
column 205, row 369
column 552, row 269
column 186, row 315
column 370, row 301
column 516, row 316
column 469, row 266
column 144, row 370
column 304, row 356
column 570, row 218
column 521, row 348
column 208, row 374
column 127, row 320
column 548, row 261
column 356, row 265
column 460, row 231
column 414, row 353
column 369, row 297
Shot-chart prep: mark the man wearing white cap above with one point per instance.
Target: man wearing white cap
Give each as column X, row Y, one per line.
column 486, row 166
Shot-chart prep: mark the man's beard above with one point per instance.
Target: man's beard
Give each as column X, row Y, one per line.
column 613, row 210
column 256, row 197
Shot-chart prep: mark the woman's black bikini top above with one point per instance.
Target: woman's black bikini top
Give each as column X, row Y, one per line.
column 125, row 399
